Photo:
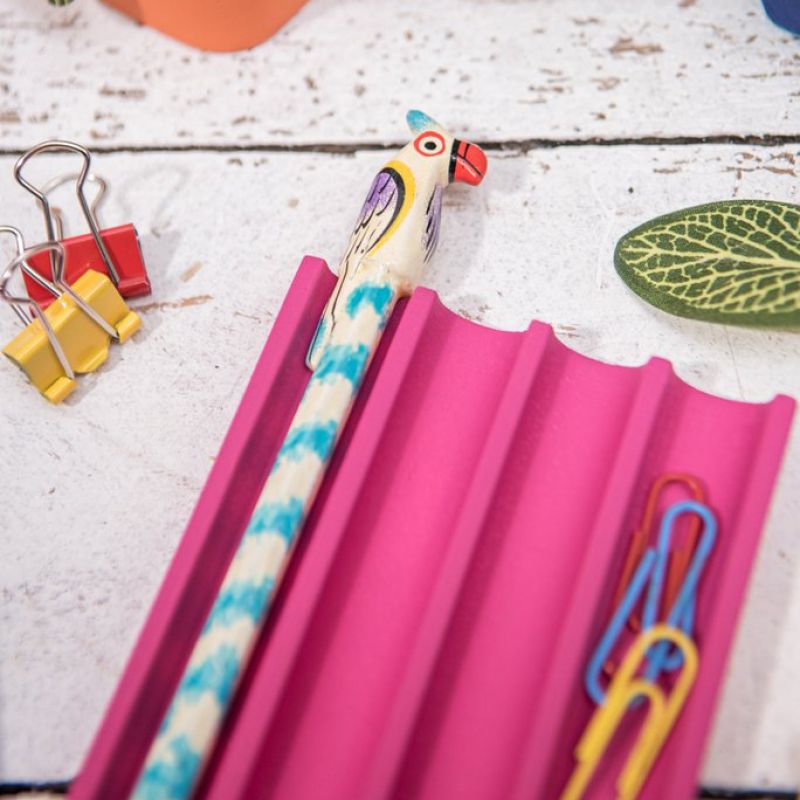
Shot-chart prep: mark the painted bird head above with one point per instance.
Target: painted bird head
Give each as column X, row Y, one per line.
column 435, row 147
column 398, row 228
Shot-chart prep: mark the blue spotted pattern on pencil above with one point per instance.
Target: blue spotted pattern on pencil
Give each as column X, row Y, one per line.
column 315, row 437
column 278, row 517
column 375, row 295
column 210, row 678
column 171, row 777
column 342, row 360
column 243, row 597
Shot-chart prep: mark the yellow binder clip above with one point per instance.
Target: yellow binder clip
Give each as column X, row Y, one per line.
column 72, row 335
column 661, row 716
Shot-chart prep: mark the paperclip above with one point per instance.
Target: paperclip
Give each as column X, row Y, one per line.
column 120, row 256
column 641, row 536
column 662, row 713
column 615, row 627
column 77, row 328
column 652, row 568
column 681, row 614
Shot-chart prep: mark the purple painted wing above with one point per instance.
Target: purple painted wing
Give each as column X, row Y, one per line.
column 383, row 203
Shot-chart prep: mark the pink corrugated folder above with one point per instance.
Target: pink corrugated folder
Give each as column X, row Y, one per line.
column 430, row 636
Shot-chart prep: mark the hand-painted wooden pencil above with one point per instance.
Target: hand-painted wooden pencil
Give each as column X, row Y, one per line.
column 396, row 234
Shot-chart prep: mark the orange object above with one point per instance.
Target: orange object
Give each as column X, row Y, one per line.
column 679, row 558
column 212, row 24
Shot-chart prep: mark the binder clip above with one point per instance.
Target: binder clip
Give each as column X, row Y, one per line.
column 73, row 333
column 650, row 572
column 680, row 557
column 625, row 690
column 114, row 252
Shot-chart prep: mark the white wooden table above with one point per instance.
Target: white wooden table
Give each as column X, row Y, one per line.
column 597, row 117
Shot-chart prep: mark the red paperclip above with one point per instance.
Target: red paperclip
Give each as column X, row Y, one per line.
column 680, row 555
column 114, row 252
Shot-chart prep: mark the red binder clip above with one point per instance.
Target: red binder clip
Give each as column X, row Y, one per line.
column 114, row 251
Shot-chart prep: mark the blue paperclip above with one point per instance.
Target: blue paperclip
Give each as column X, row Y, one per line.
column 615, row 626
column 652, row 567
column 682, row 612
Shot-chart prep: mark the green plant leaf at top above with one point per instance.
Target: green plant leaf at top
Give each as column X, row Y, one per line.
column 736, row 261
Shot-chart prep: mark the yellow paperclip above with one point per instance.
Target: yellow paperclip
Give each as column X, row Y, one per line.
column 73, row 333
column 661, row 716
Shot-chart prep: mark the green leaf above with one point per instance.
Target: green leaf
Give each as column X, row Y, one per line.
column 737, row 261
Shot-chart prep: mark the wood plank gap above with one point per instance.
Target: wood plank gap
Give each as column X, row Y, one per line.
column 499, row 145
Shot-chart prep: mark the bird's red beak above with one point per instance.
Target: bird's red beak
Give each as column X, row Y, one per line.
column 467, row 162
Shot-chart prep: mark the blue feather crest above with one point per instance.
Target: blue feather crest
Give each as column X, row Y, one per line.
column 419, row 121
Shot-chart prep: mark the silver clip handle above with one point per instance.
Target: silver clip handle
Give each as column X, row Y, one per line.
column 15, row 301
column 63, row 146
column 60, row 180
column 20, row 243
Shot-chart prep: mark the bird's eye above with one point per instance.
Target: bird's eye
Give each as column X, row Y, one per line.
column 429, row 143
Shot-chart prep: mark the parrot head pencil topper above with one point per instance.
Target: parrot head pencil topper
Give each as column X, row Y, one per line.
column 396, row 233
column 398, row 228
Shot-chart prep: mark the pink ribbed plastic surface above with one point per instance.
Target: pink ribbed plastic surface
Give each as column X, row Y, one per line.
column 430, row 637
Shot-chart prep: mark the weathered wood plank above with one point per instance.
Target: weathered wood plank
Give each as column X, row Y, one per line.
column 346, row 70
column 95, row 494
